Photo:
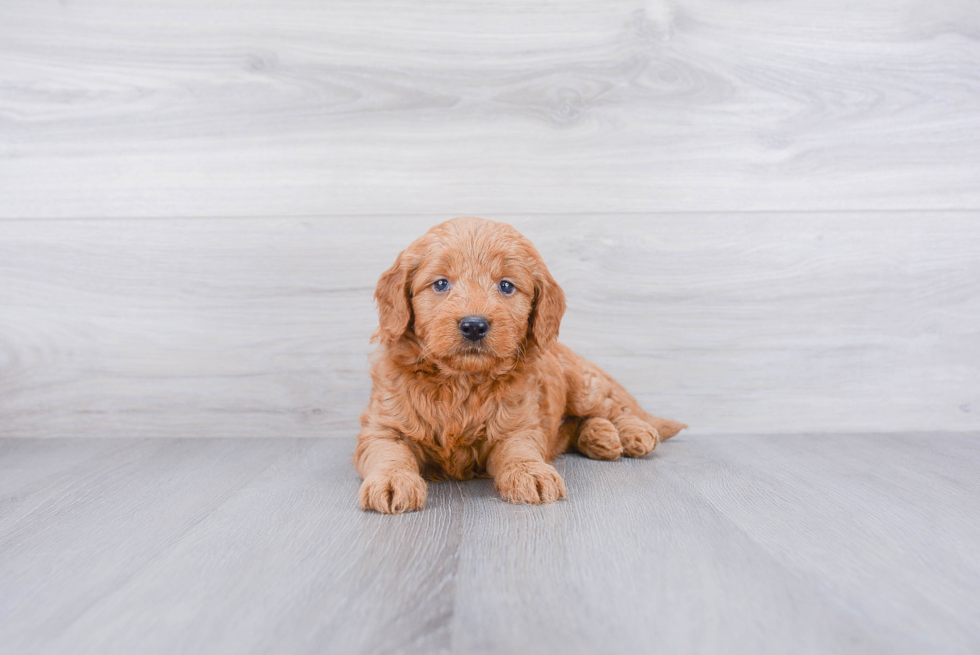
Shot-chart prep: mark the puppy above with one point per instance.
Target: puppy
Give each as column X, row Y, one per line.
column 470, row 381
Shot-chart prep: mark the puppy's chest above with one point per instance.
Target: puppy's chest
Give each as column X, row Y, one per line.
column 458, row 438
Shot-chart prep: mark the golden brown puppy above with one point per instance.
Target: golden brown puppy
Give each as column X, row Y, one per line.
column 470, row 380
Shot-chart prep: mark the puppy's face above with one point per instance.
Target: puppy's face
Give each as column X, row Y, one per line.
column 473, row 294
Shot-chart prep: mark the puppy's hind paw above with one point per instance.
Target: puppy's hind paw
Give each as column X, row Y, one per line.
column 599, row 439
column 638, row 437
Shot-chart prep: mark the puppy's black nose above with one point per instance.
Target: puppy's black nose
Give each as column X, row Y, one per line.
column 474, row 328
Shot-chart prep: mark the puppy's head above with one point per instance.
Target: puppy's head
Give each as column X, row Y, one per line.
column 473, row 295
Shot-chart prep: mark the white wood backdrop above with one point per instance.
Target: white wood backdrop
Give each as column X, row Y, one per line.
column 766, row 215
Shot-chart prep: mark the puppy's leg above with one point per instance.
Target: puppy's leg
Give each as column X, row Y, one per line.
column 596, row 438
column 520, row 473
column 594, row 393
column 392, row 483
column 638, row 437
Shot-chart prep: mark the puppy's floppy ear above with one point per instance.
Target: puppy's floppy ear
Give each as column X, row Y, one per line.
column 549, row 307
column 394, row 300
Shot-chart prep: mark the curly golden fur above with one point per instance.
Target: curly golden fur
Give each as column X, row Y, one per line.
column 445, row 406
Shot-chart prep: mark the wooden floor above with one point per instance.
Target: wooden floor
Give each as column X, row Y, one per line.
column 735, row 544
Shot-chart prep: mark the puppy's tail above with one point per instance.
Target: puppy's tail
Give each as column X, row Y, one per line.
column 665, row 426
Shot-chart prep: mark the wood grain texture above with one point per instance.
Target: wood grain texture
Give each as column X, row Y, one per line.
column 771, row 323
column 255, row 108
column 764, row 544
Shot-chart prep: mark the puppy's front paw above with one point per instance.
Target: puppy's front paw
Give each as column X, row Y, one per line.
column 531, row 483
column 638, row 437
column 393, row 492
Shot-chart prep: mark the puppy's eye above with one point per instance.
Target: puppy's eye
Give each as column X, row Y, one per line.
column 441, row 286
column 506, row 287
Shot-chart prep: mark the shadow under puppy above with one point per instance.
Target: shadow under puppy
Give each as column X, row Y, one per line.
column 470, row 380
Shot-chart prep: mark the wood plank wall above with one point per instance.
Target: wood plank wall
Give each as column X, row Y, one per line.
column 766, row 216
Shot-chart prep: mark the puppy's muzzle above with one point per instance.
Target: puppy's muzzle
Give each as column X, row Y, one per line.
column 474, row 328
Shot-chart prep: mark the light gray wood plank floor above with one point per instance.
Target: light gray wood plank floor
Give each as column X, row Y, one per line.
column 738, row 544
